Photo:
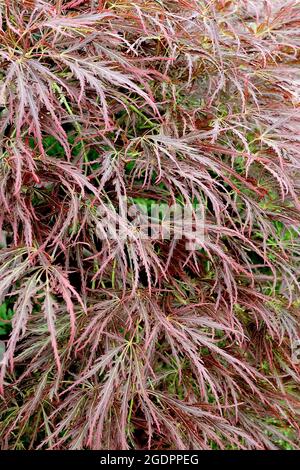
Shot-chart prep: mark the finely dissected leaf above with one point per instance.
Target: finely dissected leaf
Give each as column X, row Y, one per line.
column 49, row 306
column 118, row 335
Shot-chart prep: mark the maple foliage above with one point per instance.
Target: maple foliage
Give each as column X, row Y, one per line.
column 120, row 343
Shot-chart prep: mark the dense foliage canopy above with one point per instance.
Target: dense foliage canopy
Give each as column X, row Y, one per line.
column 126, row 341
